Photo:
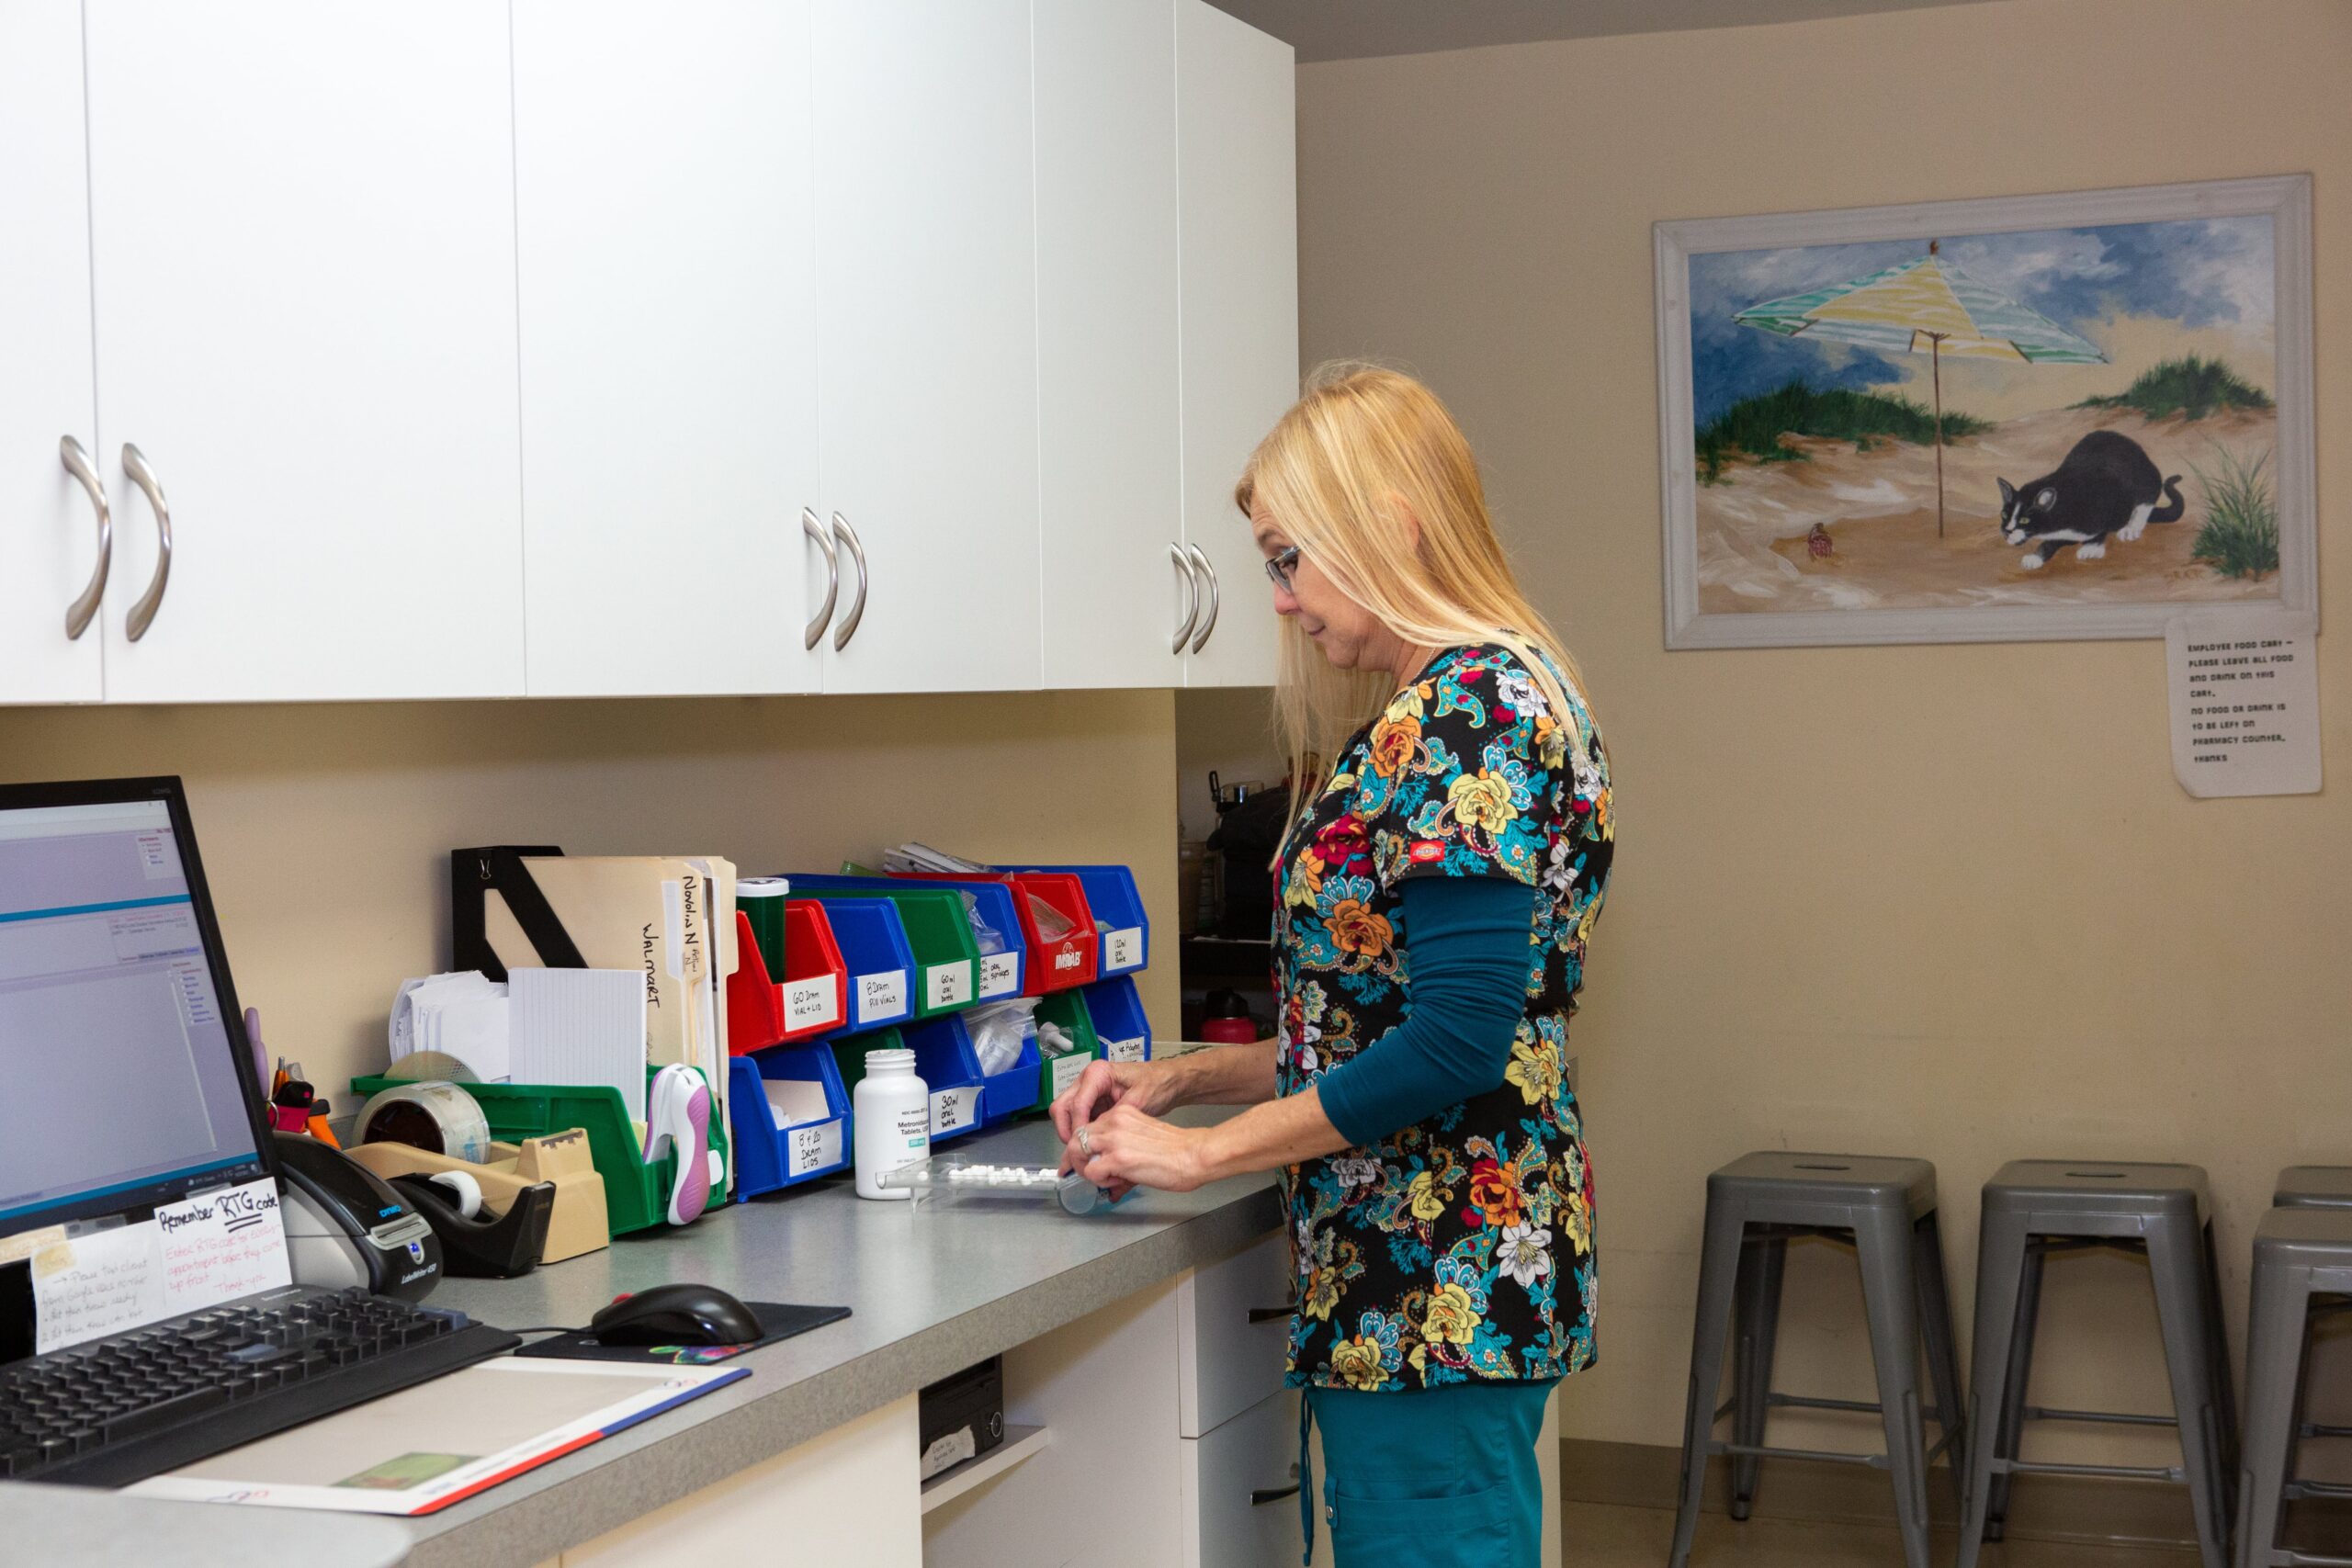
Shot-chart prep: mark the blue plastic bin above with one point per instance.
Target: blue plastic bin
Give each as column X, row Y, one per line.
column 1001, row 973
column 944, row 1060
column 881, row 963
column 1002, row 1097
column 1117, row 906
column 769, row 1154
column 1119, row 1022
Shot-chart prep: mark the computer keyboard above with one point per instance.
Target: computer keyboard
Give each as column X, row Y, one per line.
column 137, row 1404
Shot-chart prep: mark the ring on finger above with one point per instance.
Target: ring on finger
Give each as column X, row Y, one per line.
column 1086, row 1142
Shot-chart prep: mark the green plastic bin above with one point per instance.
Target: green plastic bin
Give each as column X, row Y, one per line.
column 1058, row 1071
column 637, row 1195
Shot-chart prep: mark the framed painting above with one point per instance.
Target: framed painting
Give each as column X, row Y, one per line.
column 2024, row 419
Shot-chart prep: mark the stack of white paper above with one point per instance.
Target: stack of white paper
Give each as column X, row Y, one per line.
column 581, row 1026
column 461, row 1015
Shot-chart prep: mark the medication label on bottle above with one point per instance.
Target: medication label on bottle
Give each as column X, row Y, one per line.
column 813, row 1148
column 1124, row 1050
column 954, row 1108
column 1000, row 974
column 947, row 985
column 809, row 1004
column 1123, row 949
column 881, row 995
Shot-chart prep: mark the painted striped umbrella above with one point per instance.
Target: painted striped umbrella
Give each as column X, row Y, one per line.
column 1930, row 307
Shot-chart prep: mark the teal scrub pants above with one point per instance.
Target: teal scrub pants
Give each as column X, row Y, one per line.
column 1436, row 1478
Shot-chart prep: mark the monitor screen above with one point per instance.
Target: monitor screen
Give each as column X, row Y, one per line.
column 121, row 1083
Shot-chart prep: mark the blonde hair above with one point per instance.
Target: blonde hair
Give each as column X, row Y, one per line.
column 1331, row 473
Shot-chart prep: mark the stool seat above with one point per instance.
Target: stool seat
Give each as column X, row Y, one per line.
column 2060, row 1187
column 2313, row 1187
column 2303, row 1266
column 1781, row 1175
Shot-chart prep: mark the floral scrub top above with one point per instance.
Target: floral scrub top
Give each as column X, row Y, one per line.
column 1459, row 1248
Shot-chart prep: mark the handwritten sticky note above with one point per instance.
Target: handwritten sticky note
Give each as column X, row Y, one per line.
column 94, row 1284
column 220, row 1244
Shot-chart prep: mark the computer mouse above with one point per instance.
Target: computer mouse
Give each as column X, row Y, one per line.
column 676, row 1314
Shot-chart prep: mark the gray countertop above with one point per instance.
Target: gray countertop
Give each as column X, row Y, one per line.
column 930, row 1290
column 73, row 1526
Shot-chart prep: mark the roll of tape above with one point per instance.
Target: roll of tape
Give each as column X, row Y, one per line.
column 439, row 1118
column 463, row 1188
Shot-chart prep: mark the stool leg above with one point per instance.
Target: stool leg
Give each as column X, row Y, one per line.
column 2010, row 1434
column 1718, row 1270
column 1943, row 1350
column 2001, row 1257
column 1890, row 1298
column 2275, row 1339
column 2225, row 1400
column 1763, row 1262
column 2176, row 1258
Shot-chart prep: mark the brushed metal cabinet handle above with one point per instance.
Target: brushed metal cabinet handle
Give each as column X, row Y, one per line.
column 77, row 463
column 1192, row 599
column 142, row 614
column 1200, row 637
column 848, row 535
column 814, row 632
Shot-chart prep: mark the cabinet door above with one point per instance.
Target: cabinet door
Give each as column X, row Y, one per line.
column 668, row 301
column 927, row 342
column 1237, row 176
column 1240, row 1506
column 1112, row 501
column 303, row 224
column 48, row 525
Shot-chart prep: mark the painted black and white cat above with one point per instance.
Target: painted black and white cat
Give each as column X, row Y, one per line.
column 2106, row 485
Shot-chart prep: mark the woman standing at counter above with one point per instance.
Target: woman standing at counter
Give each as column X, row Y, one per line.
column 1434, row 896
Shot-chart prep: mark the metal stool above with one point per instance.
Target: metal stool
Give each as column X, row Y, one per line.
column 1884, row 1209
column 2034, row 1208
column 2313, row 1187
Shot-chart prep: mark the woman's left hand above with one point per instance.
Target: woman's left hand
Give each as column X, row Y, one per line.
column 1124, row 1147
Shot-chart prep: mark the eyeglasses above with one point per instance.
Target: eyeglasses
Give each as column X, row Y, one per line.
column 1280, row 565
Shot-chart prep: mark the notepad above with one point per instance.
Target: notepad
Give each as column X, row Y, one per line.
column 580, row 1026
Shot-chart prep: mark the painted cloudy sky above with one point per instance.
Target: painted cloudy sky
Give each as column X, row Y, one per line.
column 2140, row 291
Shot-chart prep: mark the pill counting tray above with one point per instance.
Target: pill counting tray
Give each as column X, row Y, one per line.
column 960, row 1178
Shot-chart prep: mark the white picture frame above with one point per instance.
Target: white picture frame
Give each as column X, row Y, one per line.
column 1690, row 622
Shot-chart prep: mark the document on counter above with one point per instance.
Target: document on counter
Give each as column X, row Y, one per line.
column 195, row 1252
column 420, row 1450
column 2244, row 699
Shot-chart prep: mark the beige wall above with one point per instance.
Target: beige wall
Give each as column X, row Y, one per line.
column 326, row 830
column 1936, row 901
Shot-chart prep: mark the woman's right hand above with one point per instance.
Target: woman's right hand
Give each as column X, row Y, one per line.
column 1105, row 1084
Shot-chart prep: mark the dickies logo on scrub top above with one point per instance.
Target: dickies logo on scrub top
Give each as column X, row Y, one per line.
column 1426, row 852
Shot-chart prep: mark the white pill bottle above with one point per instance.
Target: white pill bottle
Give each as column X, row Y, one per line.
column 891, row 1113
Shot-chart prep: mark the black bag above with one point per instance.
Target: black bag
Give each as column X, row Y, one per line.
column 1247, row 836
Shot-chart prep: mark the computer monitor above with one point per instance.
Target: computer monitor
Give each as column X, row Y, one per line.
column 125, row 1079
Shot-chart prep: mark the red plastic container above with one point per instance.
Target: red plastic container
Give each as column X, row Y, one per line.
column 811, row 997
column 1058, row 964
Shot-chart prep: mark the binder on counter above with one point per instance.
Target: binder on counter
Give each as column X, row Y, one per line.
column 669, row 919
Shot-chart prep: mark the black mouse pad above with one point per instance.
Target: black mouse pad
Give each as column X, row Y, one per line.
column 781, row 1320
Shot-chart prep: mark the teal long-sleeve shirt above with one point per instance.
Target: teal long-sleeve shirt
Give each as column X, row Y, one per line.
column 1468, row 937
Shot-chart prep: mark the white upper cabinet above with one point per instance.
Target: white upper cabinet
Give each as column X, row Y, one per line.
column 1237, row 179
column 1112, row 507
column 302, row 221
column 927, row 342
column 51, row 527
column 665, row 188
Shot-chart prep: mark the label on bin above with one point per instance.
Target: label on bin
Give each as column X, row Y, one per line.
column 1000, row 974
column 1065, row 1070
column 1123, row 949
column 813, row 1148
column 881, row 995
column 947, row 985
column 809, row 1003
column 954, row 1108
column 1124, row 1050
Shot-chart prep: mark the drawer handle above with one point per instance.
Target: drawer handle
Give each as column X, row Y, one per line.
column 1262, row 1496
column 814, row 632
column 142, row 614
column 1201, row 564
column 1191, row 598
column 847, row 536
column 1270, row 1314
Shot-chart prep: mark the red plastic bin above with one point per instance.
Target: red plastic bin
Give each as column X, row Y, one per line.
column 810, row 998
